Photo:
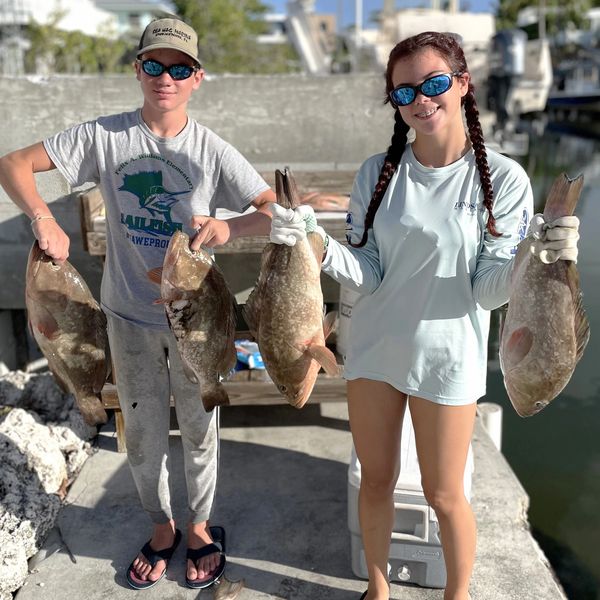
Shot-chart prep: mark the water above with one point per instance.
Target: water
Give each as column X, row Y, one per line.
column 556, row 453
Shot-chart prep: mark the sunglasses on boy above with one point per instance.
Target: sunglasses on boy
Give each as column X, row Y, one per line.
column 403, row 95
column 177, row 72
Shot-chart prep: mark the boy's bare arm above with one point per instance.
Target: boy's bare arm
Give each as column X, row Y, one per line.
column 216, row 232
column 17, row 177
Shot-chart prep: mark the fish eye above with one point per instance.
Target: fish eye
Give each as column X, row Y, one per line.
column 283, row 389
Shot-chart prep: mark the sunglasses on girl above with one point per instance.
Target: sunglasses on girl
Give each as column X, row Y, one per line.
column 177, row 72
column 403, row 95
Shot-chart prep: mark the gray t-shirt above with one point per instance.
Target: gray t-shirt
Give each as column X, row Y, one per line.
column 151, row 186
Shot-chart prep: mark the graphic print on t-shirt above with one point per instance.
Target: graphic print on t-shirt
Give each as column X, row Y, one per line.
column 150, row 217
column 522, row 229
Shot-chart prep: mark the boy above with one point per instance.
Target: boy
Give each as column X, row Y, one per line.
column 158, row 171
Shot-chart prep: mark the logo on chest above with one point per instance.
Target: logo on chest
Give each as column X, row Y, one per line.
column 469, row 207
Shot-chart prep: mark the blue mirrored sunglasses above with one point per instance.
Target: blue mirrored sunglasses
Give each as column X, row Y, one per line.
column 403, row 95
column 178, row 72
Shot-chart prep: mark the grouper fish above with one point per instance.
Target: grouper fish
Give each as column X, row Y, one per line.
column 545, row 330
column 201, row 313
column 284, row 312
column 70, row 329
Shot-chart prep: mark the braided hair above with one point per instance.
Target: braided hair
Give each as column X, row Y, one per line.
column 449, row 49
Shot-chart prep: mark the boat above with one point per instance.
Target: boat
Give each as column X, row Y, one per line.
column 577, row 86
column 520, row 76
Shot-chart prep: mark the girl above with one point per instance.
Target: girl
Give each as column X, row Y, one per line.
column 432, row 226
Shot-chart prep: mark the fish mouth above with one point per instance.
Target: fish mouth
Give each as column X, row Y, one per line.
column 296, row 395
column 521, row 401
column 39, row 257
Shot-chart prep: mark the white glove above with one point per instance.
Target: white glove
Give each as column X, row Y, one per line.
column 289, row 226
column 556, row 240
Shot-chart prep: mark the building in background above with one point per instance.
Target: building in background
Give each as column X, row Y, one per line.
column 97, row 18
column 14, row 16
column 475, row 30
column 133, row 16
column 68, row 15
column 312, row 34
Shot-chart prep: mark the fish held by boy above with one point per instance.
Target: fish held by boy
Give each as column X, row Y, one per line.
column 285, row 310
column 201, row 314
column 70, row 329
column 545, row 330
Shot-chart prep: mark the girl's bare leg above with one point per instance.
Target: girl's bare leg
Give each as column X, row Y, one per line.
column 376, row 411
column 442, row 435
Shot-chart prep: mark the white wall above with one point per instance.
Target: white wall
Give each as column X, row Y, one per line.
column 81, row 15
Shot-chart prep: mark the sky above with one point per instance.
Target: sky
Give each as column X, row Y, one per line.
column 344, row 9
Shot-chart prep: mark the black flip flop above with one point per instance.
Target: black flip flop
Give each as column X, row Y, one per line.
column 194, row 554
column 153, row 556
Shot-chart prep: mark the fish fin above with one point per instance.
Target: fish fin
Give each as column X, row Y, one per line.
column 215, row 396
column 330, row 323
column 519, row 344
column 325, row 357
column 44, row 323
column 285, row 188
column 252, row 309
column 230, row 358
column 189, row 372
column 103, row 367
column 581, row 323
column 229, row 362
column 155, row 275
column 315, row 241
column 562, row 197
column 251, row 312
column 582, row 327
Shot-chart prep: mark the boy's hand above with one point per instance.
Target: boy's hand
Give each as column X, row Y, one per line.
column 51, row 239
column 211, row 232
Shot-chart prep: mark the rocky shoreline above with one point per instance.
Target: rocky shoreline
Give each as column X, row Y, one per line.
column 44, row 442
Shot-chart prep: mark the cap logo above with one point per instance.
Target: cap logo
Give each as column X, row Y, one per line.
column 170, row 32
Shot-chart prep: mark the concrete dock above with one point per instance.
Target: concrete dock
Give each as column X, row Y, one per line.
column 282, row 497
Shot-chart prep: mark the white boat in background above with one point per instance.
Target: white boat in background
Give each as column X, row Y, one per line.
column 577, row 86
column 520, row 76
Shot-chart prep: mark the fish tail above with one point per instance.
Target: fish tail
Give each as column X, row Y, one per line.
column 285, row 188
column 214, row 396
column 562, row 197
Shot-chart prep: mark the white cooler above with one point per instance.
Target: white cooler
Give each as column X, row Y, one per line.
column 415, row 549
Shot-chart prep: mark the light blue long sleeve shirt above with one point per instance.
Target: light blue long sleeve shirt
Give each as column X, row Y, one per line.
column 429, row 273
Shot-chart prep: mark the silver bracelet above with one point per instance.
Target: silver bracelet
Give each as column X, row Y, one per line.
column 41, row 218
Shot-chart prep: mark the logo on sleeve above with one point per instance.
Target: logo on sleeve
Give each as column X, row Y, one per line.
column 522, row 228
column 349, row 227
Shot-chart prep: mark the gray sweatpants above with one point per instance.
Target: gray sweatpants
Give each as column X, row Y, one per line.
column 148, row 369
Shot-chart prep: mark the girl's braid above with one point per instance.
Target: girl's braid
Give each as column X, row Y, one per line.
column 476, row 137
column 390, row 164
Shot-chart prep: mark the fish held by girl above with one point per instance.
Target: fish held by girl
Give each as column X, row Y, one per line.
column 70, row 329
column 285, row 310
column 201, row 314
column 545, row 331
